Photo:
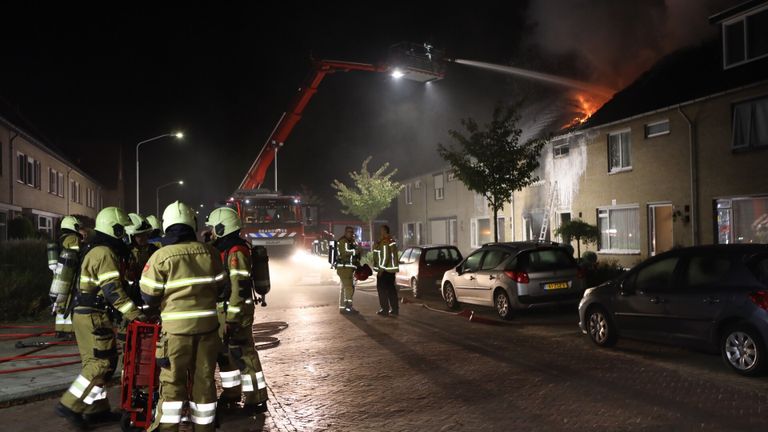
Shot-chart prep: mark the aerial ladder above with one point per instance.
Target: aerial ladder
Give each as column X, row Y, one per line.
column 417, row 62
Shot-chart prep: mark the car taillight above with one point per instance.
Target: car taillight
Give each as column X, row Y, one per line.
column 519, row 277
column 760, row 298
column 581, row 274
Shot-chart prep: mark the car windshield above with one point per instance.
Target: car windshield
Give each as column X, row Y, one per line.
column 547, row 259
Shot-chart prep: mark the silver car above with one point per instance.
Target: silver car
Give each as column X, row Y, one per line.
column 516, row 275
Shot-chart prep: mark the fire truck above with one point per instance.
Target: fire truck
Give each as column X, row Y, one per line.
column 277, row 221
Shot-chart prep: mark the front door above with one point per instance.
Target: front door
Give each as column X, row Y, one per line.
column 466, row 282
column 487, row 275
column 660, row 228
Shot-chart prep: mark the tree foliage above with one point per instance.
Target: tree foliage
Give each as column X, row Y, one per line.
column 491, row 160
column 369, row 194
column 580, row 231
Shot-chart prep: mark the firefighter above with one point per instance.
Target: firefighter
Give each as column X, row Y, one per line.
column 156, row 234
column 100, row 287
column 70, row 238
column 183, row 281
column 347, row 261
column 240, row 368
column 386, row 261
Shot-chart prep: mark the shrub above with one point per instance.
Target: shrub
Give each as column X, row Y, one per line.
column 602, row 272
column 24, row 279
column 21, row 228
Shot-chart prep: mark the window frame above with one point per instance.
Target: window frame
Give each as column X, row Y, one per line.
column 561, row 149
column 745, row 30
column 610, row 251
column 752, row 102
column 408, row 194
column 656, row 123
column 439, row 192
column 628, row 132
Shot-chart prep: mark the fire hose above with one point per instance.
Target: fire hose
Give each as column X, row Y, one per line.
column 37, row 345
column 465, row 313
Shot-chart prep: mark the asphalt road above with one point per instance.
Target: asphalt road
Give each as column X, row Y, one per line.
column 428, row 370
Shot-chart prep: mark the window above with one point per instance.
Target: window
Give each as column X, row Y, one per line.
column 28, row 170
column 452, row 231
column 408, row 194
column 707, row 270
column 473, row 261
column 45, row 224
column 90, row 197
column 480, row 232
column 561, row 148
column 493, row 258
column 619, row 229
column 55, row 182
column 415, row 255
column 442, row 255
column 619, row 152
column 412, row 233
column 405, row 256
column 657, row 129
column 750, row 124
column 658, row 276
column 500, row 227
column 417, row 184
column 451, row 176
column 742, row 220
column 74, row 192
column 546, row 260
column 439, row 187
column 745, row 38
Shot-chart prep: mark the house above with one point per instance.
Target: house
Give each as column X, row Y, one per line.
column 40, row 184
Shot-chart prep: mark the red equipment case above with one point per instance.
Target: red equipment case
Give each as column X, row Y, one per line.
column 140, row 376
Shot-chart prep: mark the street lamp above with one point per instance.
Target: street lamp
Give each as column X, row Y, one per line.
column 177, row 135
column 157, row 193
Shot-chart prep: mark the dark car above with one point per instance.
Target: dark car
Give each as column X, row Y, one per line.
column 516, row 275
column 707, row 297
column 423, row 266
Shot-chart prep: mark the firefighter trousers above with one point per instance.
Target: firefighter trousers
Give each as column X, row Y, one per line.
column 182, row 358
column 98, row 355
column 346, row 274
column 385, row 287
column 240, row 367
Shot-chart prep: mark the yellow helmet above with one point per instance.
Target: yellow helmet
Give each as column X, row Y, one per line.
column 138, row 225
column 179, row 213
column 70, row 223
column 224, row 221
column 112, row 222
column 154, row 223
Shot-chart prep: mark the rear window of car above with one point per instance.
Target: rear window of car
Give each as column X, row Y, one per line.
column 442, row 255
column 759, row 267
column 545, row 259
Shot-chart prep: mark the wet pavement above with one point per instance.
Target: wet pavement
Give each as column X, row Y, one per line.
column 433, row 371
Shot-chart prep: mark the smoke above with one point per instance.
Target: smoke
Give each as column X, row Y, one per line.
column 620, row 39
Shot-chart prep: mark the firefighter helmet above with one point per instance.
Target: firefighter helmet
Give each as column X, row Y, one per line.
column 363, row 272
column 138, row 225
column 154, row 223
column 112, row 222
column 70, row 223
column 179, row 213
column 224, row 220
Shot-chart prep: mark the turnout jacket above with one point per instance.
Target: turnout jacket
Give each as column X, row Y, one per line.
column 385, row 256
column 101, row 279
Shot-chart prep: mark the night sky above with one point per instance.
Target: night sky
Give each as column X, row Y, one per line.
column 92, row 80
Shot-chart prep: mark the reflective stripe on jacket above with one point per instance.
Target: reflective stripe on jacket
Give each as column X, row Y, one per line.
column 100, row 276
column 184, row 280
column 385, row 256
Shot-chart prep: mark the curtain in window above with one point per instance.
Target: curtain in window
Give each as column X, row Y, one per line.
column 624, row 229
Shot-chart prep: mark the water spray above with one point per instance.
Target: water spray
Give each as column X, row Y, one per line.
column 540, row 76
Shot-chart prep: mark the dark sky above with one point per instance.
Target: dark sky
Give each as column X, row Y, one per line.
column 92, row 80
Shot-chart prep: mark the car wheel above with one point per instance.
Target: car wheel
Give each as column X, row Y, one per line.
column 450, row 296
column 503, row 306
column 600, row 328
column 743, row 350
column 415, row 288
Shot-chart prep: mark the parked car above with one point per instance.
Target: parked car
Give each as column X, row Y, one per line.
column 708, row 297
column 511, row 276
column 422, row 267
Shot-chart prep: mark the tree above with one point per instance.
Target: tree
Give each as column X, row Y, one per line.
column 492, row 161
column 580, row 231
column 370, row 193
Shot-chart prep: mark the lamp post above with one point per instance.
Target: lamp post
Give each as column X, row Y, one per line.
column 157, row 194
column 178, row 135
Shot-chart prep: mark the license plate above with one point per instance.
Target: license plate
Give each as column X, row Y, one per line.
column 556, row 285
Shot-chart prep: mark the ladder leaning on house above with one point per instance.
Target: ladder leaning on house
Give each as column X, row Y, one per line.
column 548, row 212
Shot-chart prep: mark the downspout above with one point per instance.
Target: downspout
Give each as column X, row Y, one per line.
column 694, row 179
column 11, row 163
column 424, row 227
